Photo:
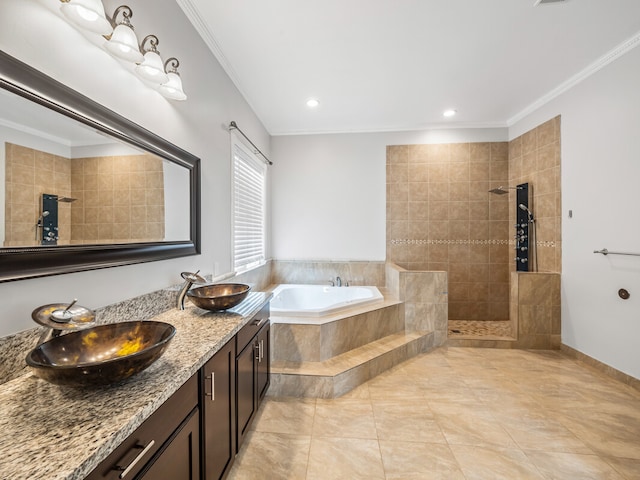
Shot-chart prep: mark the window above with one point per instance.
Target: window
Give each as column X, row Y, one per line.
column 249, row 200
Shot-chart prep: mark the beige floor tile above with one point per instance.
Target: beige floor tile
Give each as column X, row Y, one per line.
column 485, row 463
column 419, row 461
column 614, row 435
column 628, row 467
column 482, row 413
column 286, row 415
column 344, row 458
column 345, row 419
column 284, row 457
column 406, row 421
column 533, row 429
column 462, row 424
column 571, row 466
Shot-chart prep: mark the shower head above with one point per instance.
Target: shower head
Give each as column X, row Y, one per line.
column 523, row 207
column 502, row 190
column 66, row 199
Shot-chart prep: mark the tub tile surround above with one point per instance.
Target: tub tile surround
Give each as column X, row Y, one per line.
column 320, row 272
column 340, row 333
column 425, row 299
column 353, row 346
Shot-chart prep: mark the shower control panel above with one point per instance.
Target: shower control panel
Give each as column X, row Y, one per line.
column 523, row 228
column 48, row 220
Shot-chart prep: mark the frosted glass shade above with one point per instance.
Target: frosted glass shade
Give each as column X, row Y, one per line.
column 152, row 69
column 88, row 15
column 124, row 44
column 173, row 88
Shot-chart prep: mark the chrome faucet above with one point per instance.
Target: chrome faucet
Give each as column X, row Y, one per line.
column 338, row 282
column 59, row 317
column 189, row 279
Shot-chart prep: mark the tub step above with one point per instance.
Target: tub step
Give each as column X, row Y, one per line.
column 340, row 374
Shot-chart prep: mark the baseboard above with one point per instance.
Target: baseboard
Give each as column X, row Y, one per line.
column 601, row 367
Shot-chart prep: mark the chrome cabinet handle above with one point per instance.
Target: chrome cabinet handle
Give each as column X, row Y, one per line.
column 261, row 350
column 126, row 470
column 259, row 321
column 213, row 387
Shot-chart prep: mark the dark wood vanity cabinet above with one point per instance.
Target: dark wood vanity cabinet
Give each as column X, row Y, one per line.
column 165, row 446
column 252, row 370
column 197, row 432
column 218, row 406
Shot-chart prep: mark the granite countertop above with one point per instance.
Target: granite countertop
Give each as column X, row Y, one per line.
column 54, row 432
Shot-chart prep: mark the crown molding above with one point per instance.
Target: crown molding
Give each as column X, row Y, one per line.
column 594, row 67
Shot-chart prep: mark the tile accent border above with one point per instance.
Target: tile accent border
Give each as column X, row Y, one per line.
column 413, row 241
column 601, row 367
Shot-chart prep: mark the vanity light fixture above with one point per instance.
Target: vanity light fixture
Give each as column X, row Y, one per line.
column 152, row 69
column 173, row 88
column 87, row 14
column 449, row 113
column 123, row 42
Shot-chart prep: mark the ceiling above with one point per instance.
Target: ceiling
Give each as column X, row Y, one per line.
column 383, row 65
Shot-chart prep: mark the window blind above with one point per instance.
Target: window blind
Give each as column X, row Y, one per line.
column 249, row 190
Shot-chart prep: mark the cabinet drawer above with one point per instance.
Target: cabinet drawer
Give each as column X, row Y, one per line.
column 246, row 334
column 149, row 437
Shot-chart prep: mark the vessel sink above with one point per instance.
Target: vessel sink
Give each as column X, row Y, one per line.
column 101, row 355
column 219, row 296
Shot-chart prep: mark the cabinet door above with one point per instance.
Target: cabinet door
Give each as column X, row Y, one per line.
column 180, row 458
column 264, row 361
column 246, row 394
column 218, row 412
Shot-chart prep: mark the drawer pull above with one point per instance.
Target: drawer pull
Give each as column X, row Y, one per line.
column 126, row 470
column 213, row 387
column 259, row 321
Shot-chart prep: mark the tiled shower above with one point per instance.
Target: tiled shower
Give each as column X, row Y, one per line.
column 441, row 216
column 117, row 198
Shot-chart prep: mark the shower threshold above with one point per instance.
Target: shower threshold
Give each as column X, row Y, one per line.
column 481, row 329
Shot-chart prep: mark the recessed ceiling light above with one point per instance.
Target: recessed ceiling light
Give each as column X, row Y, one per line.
column 449, row 113
column 312, row 103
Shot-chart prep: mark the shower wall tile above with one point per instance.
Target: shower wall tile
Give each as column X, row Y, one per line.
column 448, row 221
column 534, row 157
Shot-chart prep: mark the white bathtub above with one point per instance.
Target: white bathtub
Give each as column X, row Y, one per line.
column 319, row 300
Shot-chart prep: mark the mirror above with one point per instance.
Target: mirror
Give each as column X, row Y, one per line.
column 82, row 187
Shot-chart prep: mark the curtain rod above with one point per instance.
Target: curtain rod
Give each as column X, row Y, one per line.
column 234, row 126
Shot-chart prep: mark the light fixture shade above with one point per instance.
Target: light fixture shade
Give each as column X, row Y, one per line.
column 124, row 44
column 173, row 88
column 88, row 15
column 152, row 69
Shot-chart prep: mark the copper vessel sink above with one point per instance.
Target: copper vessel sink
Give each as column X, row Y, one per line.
column 101, row 355
column 219, row 296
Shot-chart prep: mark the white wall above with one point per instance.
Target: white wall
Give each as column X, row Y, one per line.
column 329, row 191
column 34, row 32
column 600, row 168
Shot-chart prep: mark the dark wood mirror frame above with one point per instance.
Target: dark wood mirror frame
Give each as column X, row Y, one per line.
column 20, row 263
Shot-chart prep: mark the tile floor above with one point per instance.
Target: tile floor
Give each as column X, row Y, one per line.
column 455, row 413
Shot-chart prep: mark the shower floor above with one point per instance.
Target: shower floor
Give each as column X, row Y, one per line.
column 495, row 329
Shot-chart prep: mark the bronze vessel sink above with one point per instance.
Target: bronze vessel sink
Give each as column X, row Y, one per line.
column 101, row 355
column 219, row 296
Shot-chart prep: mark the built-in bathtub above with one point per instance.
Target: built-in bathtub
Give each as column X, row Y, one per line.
column 317, row 301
